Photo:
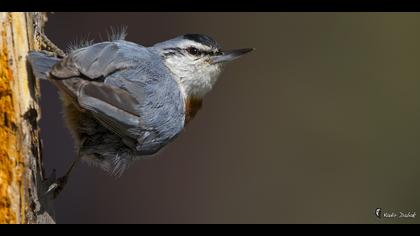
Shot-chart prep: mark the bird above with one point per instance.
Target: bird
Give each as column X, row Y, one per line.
column 123, row 101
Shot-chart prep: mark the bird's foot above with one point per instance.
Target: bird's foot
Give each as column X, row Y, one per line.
column 49, row 46
column 55, row 186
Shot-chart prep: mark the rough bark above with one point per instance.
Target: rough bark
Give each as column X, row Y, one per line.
column 22, row 185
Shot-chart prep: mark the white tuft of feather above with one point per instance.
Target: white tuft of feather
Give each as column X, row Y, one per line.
column 113, row 164
column 113, row 34
column 117, row 33
column 79, row 43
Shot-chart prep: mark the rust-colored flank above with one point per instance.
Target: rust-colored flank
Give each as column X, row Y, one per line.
column 192, row 105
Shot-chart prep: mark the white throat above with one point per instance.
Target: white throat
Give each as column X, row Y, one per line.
column 195, row 80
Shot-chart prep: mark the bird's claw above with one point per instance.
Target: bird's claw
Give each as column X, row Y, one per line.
column 55, row 186
column 49, row 46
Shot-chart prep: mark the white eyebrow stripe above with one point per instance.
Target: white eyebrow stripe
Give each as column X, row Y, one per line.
column 189, row 43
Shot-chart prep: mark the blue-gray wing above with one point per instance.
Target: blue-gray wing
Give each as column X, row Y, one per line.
column 98, row 60
column 127, row 89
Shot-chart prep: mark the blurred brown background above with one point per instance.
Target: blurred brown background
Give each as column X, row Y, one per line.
column 321, row 124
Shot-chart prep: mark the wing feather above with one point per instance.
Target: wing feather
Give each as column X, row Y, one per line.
column 115, row 108
column 93, row 62
column 127, row 89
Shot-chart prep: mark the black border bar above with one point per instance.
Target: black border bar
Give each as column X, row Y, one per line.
column 214, row 5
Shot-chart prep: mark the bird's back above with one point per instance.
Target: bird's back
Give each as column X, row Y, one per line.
column 149, row 81
column 130, row 104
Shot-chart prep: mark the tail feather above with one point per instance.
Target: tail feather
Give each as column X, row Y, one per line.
column 41, row 64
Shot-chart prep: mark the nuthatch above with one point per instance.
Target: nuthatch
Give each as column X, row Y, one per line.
column 123, row 101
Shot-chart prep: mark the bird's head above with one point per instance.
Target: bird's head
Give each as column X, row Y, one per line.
column 196, row 60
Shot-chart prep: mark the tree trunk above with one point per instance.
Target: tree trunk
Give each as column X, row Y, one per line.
column 22, row 181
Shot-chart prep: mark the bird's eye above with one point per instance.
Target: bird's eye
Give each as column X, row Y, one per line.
column 193, row 51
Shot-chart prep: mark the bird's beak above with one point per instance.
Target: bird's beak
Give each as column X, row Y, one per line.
column 230, row 55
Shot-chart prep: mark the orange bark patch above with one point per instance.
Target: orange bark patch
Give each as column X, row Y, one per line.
column 9, row 154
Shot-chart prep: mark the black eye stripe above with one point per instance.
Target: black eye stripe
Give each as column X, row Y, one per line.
column 191, row 50
column 173, row 51
column 169, row 54
column 196, row 52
